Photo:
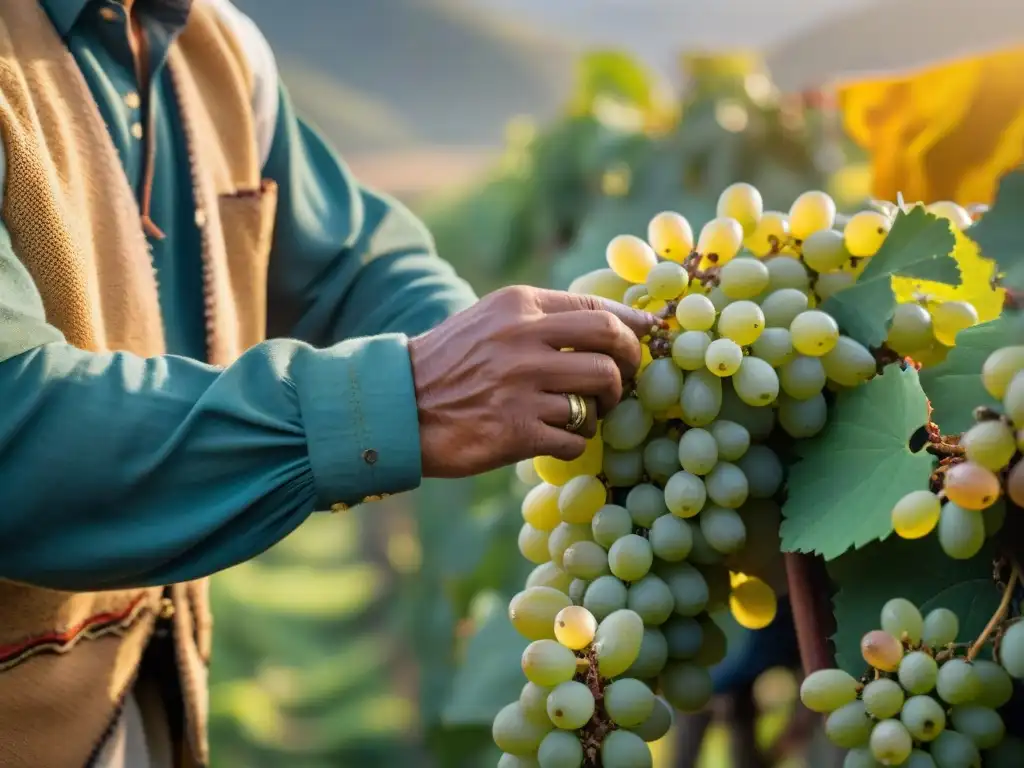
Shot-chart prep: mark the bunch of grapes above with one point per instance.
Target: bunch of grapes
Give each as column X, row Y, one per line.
column 927, row 702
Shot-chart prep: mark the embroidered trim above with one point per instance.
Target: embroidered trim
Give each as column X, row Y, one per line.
column 100, row 625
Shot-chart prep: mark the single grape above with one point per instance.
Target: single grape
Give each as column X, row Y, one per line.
column 684, row 636
column 951, row 317
column 580, row 498
column 756, row 383
column 890, row 742
column 924, row 717
column 628, row 702
column 981, row 725
column 781, row 307
column 742, row 322
column 514, row 734
column 701, row 398
column 630, row 258
column 1011, row 650
column 575, row 627
column 883, row 698
column 570, row 705
column 803, row 418
column 670, row 235
column 622, row 469
column 658, row 723
column 671, row 539
column 916, row 514
column 811, row 212
column 659, row 385
column 626, row 425
column 764, row 471
column 689, row 588
column 549, row 575
column 723, row 357
column 941, row 627
column 1013, row 400
column 900, row 618
column 961, row 531
column 577, row 588
column 849, row 726
column 695, row 312
column 624, row 749
column 814, row 333
column 720, row 240
column 1000, row 368
column 849, row 362
column 769, row 235
column 918, row 672
column 957, row 682
column 865, row 232
column 698, row 451
column 918, row 759
column 617, row 642
column 733, row 439
column 990, row 444
column 546, row 662
column 911, row 329
column 829, row 284
column 685, row 494
column 743, row 278
column 611, row 522
column 517, row 761
column 533, row 544
column 825, row 250
column 726, row 485
column 689, row 347
column 526, row 474
column 604, row 596
column 787, row 272
column 645, row 503
column 860, row 757
column 533, row 700
column 666, row 281
column 563, row 537
column 774, row 346
column 742, row 202
column 630, row 557
column 540, row 506
column 687, row 686
column 951, row 749
column 532, row 611
column 753, row 604
column 957, row 215
column 600, row 282
column 802, row 377
column 652, row 657
column 881, row 650
column 996, row 685
column 718, row 299
column 560, row 749
column 651, row 600
column 723, row 529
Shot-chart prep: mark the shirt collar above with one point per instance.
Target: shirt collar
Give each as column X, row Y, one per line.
column 64, row 13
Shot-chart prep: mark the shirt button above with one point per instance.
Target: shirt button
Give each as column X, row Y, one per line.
column 132, row 100
column 108, row 14
column 370, row 456
column 136, row 130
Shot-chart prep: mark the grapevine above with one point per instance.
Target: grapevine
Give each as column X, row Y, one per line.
column 776, row 330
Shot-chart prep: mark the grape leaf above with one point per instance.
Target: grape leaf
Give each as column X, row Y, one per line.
column 954, row 386
column 847, row 479
column 917, row 570
column 998, row 234
column 919, row 245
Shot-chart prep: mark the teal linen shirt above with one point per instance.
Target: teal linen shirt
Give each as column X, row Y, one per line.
column 120, row 471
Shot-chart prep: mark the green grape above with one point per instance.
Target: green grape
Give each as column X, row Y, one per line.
column 860, row 757
column 659, row 385
column 980, row 724
column 957, row 682
column 526, row 474
column 658, row 723
column 743, row 278
column 723, row 357
column 803, row 418
column 771, row 232
column 757, row 420
column 695, row 312
column 1008, row 754
column 645, row 503
column 951, row 317
column 883, row 698
column 549, row 575
column 624, row 749
column 723, row 529
column 666, row 281
column 718, row 299
column 993, row 517
column 774, row 346
column 688, row 349
column 540, row 506
column 604, row 596
column 802, row 377
column 825, row 250
column 517, row 761
column 671, row 539
column 630, row 557
column 814, row 333
column 924, row 717
column 865, row 232
column 811, row 211
column 918, row 672
column 1000, row 368
column 900, row 617
column 701, row 398
column 742, row 202
column 685, row 494
column 726, row 485
column 577, row 589
column 911, row 329
column 652, row 657
column 533, row 700
column 630, row 258
column 585, row 560
column 918, row 759
column 633, row 295
column 546, row 662
column 733, row 439
column 849, row 726
column 698, row 451
column 702, row 552
column 670, row 235
column 532, row 611
column 560, row 749
column 881, row 650
column 951, row 749
column 961, row 531
column 533, row 544
column 787, row 272
column 570, row 705
column 941, row 627
column 687, row 686
column 514, row 734
column 684, row 636
column 849, row 362
column 562, row 537
column 763, row 470
column 622, row 469
column 611, row 523
column 580, row 498
column 826, row 690
column 829, row 284
column 689, row 588
column 781, row 307
column 626, row 425
column 628, row 702
column 661, row 458
column 742, row 322
column 1013, row 400
column 720, row 240
column 756, row 383
column 617, row 642
column 1011, row 650
column 600, row 282
column 990, row 444
column 916, row 514
column 890, row 742
column 996, row 684
column 650, row 599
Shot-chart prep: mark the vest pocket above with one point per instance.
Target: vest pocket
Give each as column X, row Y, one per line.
column 247, row 220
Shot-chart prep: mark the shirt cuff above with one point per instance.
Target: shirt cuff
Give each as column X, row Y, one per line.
column 358, row 406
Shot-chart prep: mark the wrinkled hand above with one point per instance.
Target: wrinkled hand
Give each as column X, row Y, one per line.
column 491, row 381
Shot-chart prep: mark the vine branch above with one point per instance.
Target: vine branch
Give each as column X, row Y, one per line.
column 998, row 616
column 812, row 615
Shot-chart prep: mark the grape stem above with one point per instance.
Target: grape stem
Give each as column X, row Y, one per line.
column 998, row 616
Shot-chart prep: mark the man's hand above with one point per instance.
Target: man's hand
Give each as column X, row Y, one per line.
column 491, row 381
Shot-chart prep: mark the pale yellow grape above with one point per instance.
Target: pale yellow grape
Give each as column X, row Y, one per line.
column 881, row 650
column 720, row 240
column 990, row 444
column 617, row 642
column 688, row 350
column 911, row 329
column 534, row 699
column 515, row 734
column 558, row 472
column 999, row 369
column 756, row 383
column 743, row 278
column 811, row 212
column 540, row 506
column 580, row 498
column 723, row 357
column 770, row 234
column 826, row 690
column 782, row 305
column 916, row 514
column 548, row 663
column 824, row 250
column 570, row 705
column 533, row 611
column 695, row 312
column 631, row 258
column 666, row 281
column 753, row 604
column 829, row 284
column 549, row 575
column 600, row 282
column 742, row 202
column 787, row 272
column 849, row 363
column 814, row 333
column 951, row 317
column 575, row 627
column 1013, row 400
column 774, row 346
column 971, row 486
column 865, row 232
column 670, row 235
column 533, row 544
column 957, row 215
column 741, row 321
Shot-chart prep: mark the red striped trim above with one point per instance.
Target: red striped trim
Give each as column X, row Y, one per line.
column 61, row 642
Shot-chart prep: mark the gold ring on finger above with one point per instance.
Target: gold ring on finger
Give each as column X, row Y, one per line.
column 577, row 413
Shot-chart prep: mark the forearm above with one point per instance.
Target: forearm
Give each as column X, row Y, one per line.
column 122, row 471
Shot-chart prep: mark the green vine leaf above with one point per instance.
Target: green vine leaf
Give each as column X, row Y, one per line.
column 917, row 570
column 920, row 246
column 998, row 232
column 842, row 489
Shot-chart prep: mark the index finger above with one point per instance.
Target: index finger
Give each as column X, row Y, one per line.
column 636, row 320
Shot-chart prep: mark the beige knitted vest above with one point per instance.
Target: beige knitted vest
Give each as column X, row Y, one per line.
column 68, row 659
